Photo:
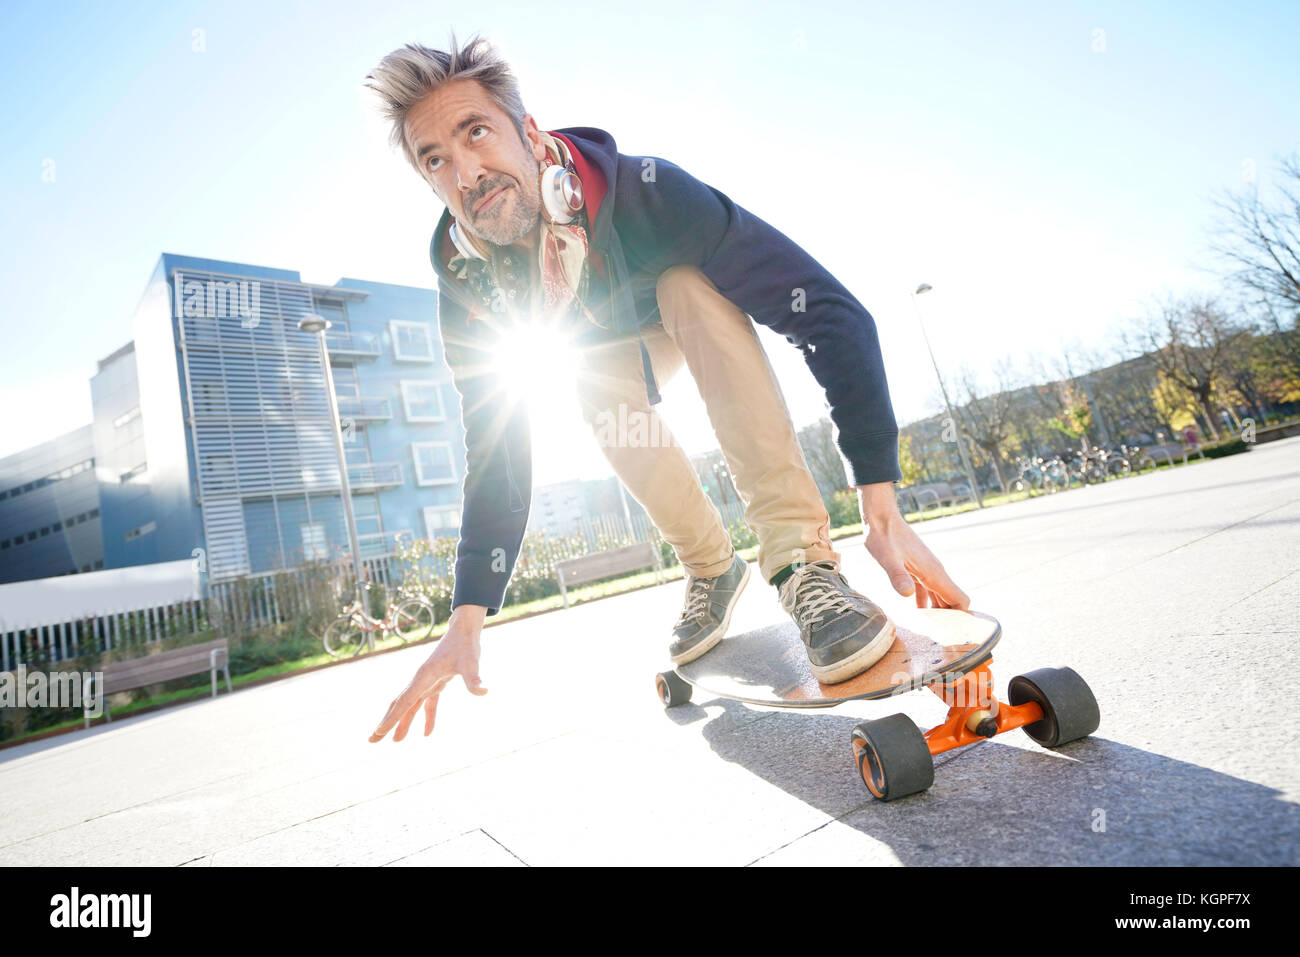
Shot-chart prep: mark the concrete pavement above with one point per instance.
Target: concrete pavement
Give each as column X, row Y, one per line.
column 1176, row 595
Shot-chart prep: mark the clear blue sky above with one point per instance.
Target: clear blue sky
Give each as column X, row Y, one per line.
column 1045, row 178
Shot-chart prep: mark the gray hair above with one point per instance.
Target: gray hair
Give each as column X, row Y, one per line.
column 409, row 74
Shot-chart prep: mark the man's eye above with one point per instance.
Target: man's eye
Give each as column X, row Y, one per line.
column 433, row 160
column 484, row 128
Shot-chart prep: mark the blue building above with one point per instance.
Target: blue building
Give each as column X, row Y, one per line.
column 212, row 430
column 49, row 509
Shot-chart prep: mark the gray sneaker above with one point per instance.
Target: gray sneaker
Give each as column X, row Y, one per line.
column 844, row 632
column 704, row 619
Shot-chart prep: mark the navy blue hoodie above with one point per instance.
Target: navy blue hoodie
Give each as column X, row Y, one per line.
column 647, row 214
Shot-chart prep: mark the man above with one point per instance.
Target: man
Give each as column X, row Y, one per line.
column 643, row 268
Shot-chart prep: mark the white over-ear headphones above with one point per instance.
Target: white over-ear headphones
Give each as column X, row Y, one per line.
column 561, row 200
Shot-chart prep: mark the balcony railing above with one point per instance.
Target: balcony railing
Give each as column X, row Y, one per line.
column 365, row 409
column 374, row 475
column 352, row 345
column 379, row 544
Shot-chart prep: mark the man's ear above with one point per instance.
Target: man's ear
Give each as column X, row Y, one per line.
column 534, row 138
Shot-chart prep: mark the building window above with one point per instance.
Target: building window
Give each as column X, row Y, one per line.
column 58, row 526
column 412, row 341
column 441, row 521
column 136, row 532
column 94, row 513
column 137, row 470
column 314, row 545
column 99, row 563
column 433, row 464
column 422, row 401
column 126, row 417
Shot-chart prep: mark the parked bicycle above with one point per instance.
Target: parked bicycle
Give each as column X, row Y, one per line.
column 410, row 619
column 1137, row 459
column 1039, row 474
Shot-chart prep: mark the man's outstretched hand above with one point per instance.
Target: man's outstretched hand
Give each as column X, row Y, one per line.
column 457, row 653
column 910, row 565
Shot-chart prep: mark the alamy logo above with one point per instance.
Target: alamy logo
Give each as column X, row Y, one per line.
column 216, row 299
column 58, row 689
column 631, row 428
column 102, row 910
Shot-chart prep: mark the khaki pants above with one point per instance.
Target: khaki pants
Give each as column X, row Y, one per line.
column 719, row 344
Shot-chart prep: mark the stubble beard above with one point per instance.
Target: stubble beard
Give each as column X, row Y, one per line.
column 504, row 228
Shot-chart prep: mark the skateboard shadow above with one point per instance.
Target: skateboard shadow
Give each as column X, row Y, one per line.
column 1090, row 802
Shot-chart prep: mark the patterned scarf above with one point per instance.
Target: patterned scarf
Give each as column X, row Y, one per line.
column 502, row 282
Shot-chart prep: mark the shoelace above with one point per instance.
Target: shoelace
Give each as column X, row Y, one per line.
column 696, row 598
column 815, row 596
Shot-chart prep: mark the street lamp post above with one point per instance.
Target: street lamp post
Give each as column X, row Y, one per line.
column 318, row 325
column 961, row 446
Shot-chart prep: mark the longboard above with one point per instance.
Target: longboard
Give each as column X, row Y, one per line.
column 770, row 667
column 948, row 650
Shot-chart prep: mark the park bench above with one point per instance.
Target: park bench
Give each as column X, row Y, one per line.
column 942, row 493
column 577, row 571
column 1167, row 452
column 162, row 666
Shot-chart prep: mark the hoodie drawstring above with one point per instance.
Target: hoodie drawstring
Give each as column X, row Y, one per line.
column 651, row 386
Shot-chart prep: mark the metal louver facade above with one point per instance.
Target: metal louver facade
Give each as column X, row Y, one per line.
column 257, row 413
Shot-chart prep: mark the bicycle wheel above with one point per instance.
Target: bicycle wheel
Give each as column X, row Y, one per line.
column 413, row 619
column 343, row 637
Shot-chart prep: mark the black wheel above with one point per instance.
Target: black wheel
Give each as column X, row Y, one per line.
column 413, row 619
column 893, row 757
column 1070, row 711
column 1145, row 463
column 343, row 637
column 672, row 689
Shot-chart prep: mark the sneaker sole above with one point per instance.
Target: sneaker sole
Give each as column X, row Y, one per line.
column 858, row 662
column 708, row 644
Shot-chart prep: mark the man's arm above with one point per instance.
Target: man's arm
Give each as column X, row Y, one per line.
column 498, row 466
column 675, row 218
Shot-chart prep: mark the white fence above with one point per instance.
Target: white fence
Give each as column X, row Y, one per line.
column 71, row 615
column 51, row 619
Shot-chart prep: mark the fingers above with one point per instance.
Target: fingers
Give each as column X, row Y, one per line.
column 430, row 712
column 390, row 717
column 405, row 724
column 946, row 590
column 474, row 684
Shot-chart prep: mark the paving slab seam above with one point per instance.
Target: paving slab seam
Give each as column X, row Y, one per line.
column 376, row 797
column 1258, row 590
column 503, row 847
column 947, row 758
column 1199, row 538
column 282, row 787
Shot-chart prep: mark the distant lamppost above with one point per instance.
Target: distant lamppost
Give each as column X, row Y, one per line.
column 961, row 446
column 318, row 325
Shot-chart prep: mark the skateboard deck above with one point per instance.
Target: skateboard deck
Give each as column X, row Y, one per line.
column 770, row 667
column 945, row 649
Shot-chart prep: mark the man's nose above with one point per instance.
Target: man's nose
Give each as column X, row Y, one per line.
column 469, row 173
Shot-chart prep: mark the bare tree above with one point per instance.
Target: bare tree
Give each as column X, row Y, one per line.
column 987, row 419
column 1262, row 241
column 823, row 457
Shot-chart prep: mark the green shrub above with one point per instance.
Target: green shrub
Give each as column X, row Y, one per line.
column 742, row 536
column 1216, row 450
column 843, row 508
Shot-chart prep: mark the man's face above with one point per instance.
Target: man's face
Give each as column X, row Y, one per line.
column 471, row 154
